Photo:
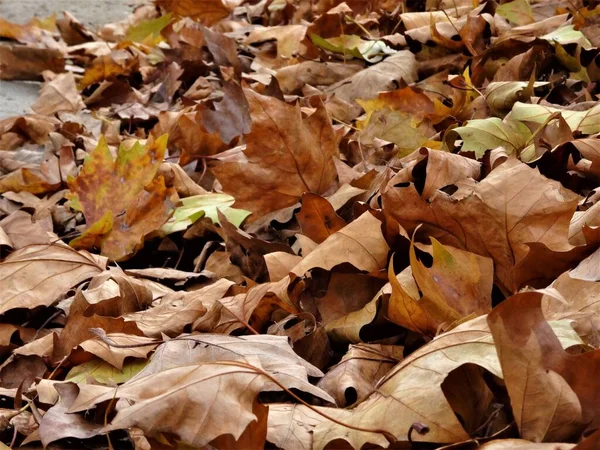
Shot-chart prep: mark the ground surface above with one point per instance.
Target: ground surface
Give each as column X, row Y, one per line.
column 16, row 96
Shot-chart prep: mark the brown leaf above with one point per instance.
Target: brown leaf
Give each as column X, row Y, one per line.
column 105, row 67
column 58, row 424
column 273, row 352
column 116, row 355
column 355, row 376
column 204, row 11
column 359, row 243
column 511, row 216
column 298, row 159
column 175, row 311
column 382, row 76
column 317, row 218
column 59, row 94
column 19, row 62
column 231, row 115
column 38, row 275
column 539, row 372
column 457, row 285
column 290, row 426
column 144, row 202
column 216, row 398
column 404, row 307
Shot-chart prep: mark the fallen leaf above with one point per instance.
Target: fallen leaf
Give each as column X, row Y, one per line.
column 57, row 95
column 394, row 405
column 317, row 218
column 306, row 146
column 530, row 350
column 199, row 390
column 118, row 228
column 29, row 280
column 480, row 135
column 205, row 11
column 360, row 243
column 355, row 376
column 57, row 424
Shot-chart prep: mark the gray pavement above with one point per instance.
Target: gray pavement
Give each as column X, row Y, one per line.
column 17, row 96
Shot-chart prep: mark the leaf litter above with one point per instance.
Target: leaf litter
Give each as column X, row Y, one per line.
column 303, row 225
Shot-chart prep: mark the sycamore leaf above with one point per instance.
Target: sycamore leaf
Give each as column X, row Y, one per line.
column 317, row 218
column 383, row 76
column 398, row 127
column 457, row 284
column 567, row 34
column 479, row 135
column 290, row 426
column 59, row 94
column 502, row 95
column 554, row 394
column 354, row 377
column 287, row 155
column 515, row 216
column 360, row 243
column 404, row 307
column 120, row 198
column 273, row 352
column 352, row 46
column 105, row 67
column 205, row 205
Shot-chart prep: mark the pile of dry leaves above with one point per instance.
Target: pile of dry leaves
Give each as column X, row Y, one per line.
column 304, row 224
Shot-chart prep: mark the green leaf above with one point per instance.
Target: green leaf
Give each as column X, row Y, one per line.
column 484, row 134
column 518, row 12
column 105, row 373
column 586, row 122
column 148, row 29
column 204, row 205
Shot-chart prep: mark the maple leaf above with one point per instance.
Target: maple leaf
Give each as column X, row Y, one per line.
column 120, row 198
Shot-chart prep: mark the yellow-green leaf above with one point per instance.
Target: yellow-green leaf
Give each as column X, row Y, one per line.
column 480, row 135
column 204, row 205
column 148, row 31
column 105, row 373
